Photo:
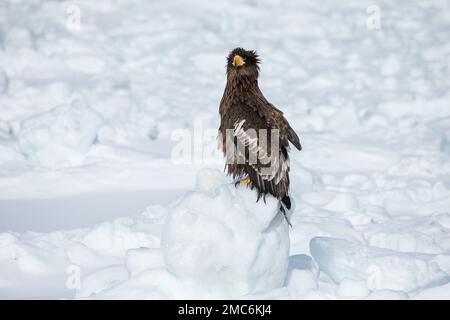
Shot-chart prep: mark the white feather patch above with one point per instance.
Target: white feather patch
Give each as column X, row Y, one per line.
column 278, row 164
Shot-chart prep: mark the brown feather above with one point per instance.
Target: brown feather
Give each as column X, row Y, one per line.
column 244, row 107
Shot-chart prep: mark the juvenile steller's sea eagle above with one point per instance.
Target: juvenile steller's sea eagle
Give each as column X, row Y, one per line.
column 254, row 135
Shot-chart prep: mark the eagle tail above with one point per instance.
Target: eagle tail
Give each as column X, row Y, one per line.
column 285, row 206
column 287, row 202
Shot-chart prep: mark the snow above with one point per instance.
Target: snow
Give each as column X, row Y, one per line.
column 435, row 293
column 354, row 289
column 93, row 119
column 215, row 243
column 300, row 282
column 227, row 241
column 378, row 268
column 60, row 137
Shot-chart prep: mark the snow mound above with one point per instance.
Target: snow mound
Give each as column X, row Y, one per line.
column 227, row 242
column 216, row 242
column 60, row 137
column 343, row 260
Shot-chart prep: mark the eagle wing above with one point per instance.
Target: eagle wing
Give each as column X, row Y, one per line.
column 268, row 169
column 275, row 119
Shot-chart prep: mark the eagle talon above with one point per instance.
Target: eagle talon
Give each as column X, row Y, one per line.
column 245, row 182
column 284, row 211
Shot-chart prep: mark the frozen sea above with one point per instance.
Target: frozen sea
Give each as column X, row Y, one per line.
column 111, row 185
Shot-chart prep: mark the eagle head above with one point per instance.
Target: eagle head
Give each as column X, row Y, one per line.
column 243, row 63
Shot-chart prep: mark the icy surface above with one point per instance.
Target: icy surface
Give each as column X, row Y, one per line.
column 60, row 137
column 88, row 118
column 358, row 268
column 216, row 243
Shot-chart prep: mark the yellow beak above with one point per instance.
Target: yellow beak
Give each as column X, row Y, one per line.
column 238, row 61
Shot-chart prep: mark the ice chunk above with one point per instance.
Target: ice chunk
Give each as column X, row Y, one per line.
column 379, row 268
column 226, row 242
column 101, row 280
column 117, row 237
column 83, row 256
column 18, row 257
column 139, row 260
column 60, row 137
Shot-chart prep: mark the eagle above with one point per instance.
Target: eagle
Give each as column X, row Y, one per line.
column 254, row 135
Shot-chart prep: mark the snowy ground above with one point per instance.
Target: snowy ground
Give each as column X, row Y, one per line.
column 95, row 203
